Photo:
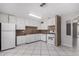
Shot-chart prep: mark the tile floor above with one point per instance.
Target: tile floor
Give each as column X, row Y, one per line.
column 40, row 49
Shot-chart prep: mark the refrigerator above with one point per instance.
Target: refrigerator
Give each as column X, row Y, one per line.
column 7, row 36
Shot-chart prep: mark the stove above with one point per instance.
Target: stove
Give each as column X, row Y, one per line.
column 51, row 38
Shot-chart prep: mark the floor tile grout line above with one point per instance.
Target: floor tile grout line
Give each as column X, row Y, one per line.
column 59, row 51
column 56, row 51
column 47, row 49
column 63, row 51
column 33, row 50
column 40, row 48
column 51, row 50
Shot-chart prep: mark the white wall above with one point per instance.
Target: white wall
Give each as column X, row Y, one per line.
column 67, row 40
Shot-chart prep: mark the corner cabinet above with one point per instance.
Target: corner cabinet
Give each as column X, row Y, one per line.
column 3, row 18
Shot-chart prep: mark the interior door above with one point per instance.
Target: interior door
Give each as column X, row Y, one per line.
column 74, row 34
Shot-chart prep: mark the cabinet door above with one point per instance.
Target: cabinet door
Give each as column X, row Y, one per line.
column 3, row 18
column 43, row 37
column 21, row 40
column 27, row 38
column 32, row 38
column 43, row 26
column 20, row 23
column 37, row 37
column 18, row 40
column 12, row 19
column 27, row 22
column 51, row 21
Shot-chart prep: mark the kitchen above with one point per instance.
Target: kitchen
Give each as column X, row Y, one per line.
column 34, row 33
column 37, row 29
column 27, row 31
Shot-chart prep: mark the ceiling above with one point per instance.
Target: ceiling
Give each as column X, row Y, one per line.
column 49, row 10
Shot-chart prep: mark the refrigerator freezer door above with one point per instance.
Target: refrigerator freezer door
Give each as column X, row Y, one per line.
column 8, row 40
column 8, row 27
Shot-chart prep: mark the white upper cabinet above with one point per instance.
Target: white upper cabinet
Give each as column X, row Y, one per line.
column 44, row 26
column 20, row 23
column 29, row 22
column 46, row 23
column 3, row 18
column 35, row 23
column 51, row 21
column 12, row 19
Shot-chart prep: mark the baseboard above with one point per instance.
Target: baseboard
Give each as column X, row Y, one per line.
column 29, row 43
column 7, row 49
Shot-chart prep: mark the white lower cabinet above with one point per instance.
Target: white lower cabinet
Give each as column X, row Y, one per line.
column 33, row 38
column 27, row 38
column 21, row 40
column 38, row 37
column 30, row 38
column 43, row 37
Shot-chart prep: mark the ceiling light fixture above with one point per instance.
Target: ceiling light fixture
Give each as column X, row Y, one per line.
column 34, row 16
column 42, row 4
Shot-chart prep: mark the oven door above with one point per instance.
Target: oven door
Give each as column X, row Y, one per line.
column 51, row 39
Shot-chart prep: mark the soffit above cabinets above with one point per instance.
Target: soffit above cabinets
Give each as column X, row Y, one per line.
column 49, row 10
